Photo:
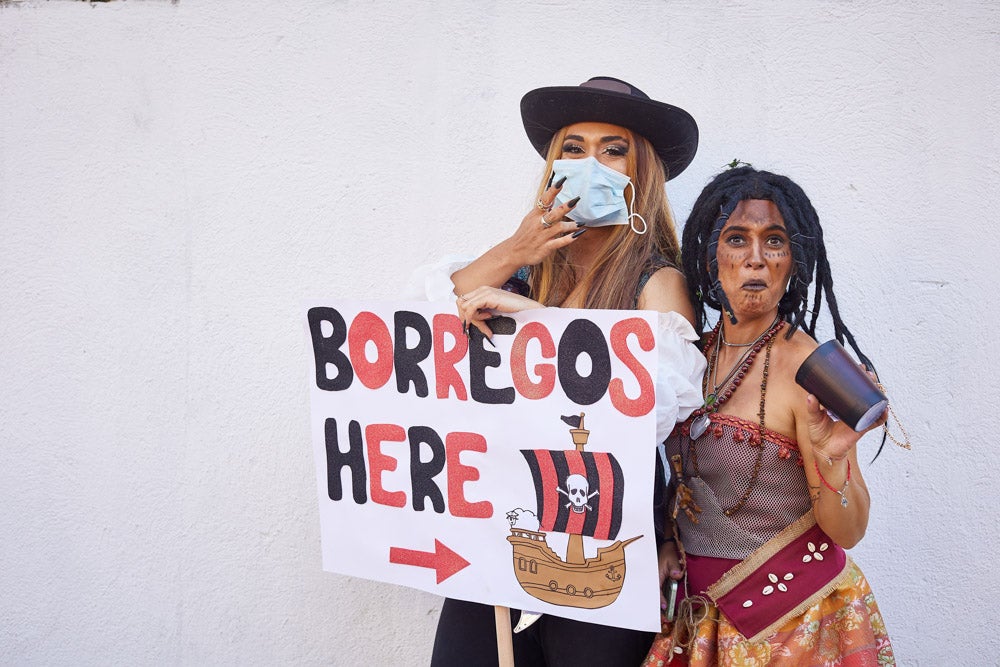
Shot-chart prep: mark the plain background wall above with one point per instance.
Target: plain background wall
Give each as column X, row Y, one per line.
column 176, row 177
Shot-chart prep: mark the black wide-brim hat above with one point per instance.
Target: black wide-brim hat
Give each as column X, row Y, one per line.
column 602, row 99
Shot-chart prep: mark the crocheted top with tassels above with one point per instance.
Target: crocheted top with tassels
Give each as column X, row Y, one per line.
column 719, row 467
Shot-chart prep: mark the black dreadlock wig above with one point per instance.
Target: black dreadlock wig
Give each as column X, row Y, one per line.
column 701, row 238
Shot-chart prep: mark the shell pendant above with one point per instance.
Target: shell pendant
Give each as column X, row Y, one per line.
column 699, row 426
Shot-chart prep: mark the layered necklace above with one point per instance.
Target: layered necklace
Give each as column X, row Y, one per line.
column 722, row 391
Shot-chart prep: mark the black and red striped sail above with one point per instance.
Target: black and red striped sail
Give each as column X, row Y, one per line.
column 549, row 470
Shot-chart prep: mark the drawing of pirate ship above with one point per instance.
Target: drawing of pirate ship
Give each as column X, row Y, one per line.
column 589, row 505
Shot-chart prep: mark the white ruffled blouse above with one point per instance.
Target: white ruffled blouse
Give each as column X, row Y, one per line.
column 681, row 363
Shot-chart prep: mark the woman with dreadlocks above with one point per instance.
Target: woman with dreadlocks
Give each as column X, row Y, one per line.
column 767, row 491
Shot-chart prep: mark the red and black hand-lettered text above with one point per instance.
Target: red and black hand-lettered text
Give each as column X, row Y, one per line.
column 424, row 354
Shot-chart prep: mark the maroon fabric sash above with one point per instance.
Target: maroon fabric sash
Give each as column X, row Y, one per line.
column 703, row 571
column 777, row 582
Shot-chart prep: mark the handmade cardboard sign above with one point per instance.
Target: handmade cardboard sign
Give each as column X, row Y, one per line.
column 515, row 473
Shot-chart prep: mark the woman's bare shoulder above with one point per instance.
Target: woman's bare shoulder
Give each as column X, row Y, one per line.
column 800, row 345
column 665, row 291
column 793, row 352
column 668, row 275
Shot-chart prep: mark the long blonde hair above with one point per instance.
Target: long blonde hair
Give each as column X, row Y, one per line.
column 613, row 280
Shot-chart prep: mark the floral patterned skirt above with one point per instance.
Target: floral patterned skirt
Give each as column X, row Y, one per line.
column 844, row 628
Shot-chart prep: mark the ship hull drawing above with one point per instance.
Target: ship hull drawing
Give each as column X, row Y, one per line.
column 544, row 575
column 577, row 493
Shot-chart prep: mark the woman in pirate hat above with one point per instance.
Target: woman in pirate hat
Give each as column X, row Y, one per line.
column 600, row 234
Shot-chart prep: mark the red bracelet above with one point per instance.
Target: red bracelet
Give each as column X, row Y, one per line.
column 843, row 498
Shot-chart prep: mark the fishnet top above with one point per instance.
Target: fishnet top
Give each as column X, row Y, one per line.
column 718, row 471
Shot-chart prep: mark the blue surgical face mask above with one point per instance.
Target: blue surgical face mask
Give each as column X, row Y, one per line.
column 601, row 191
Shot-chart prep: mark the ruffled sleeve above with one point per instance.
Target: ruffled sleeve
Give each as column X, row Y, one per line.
column 681, row 368
column 681, row 364
column 432, row 282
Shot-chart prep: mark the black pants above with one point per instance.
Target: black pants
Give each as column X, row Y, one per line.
column 466, row 637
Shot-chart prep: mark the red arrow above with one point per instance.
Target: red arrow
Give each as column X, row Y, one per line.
column 443, row 560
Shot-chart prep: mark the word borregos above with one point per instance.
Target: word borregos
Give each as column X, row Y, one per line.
column 433, row 353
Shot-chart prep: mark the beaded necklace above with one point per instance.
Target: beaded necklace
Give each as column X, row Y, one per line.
column 767, row 341
column 715, row 398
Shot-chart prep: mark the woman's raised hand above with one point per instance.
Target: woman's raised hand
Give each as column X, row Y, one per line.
column 542, row 231
column 545, row 229
column 483, row 303
column 833, row 440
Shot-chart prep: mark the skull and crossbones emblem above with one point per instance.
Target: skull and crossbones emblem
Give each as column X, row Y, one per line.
column 579, row 493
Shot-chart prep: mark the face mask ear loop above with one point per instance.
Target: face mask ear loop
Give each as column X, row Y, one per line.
column 633, row 216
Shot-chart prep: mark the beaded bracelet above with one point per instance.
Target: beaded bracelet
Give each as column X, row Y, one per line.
column 843, row 498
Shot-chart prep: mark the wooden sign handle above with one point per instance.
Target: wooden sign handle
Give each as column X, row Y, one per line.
column 505, row 639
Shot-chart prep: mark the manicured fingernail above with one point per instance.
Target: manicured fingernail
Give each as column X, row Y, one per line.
column 579, row 231
column 663, row 606
column 465, row 328
column 573, row 202
column 551, row 176
column 674, row 574
column 490, row 341
column 562, row 180
column 581, row 224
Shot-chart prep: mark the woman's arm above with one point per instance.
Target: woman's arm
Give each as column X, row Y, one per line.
column 829, row 455
column 493, row 268
column 669, row 560
column 530, row 243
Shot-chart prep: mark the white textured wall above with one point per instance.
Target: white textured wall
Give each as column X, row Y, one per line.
column 174, row 178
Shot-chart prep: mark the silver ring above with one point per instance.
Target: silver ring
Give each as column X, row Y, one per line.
column 541, row 206
column 545, row 223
